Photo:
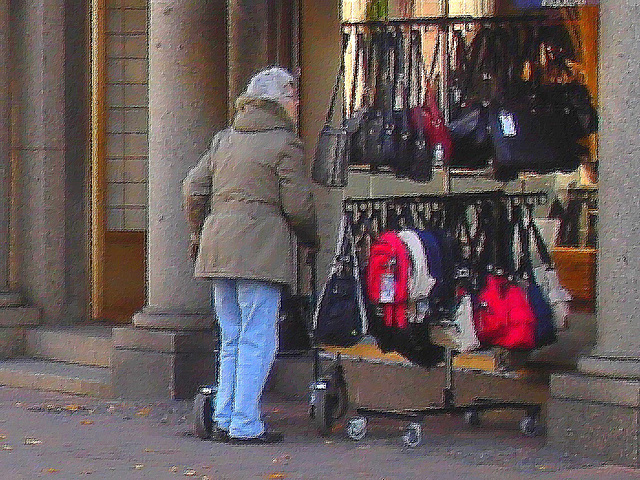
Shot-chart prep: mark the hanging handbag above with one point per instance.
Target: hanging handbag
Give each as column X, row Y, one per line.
column 340, row 316
column 546, row 277
column 433, row 121
column 469, row 122
column 358, row 122
column 529, row 136
column 331, row 156
column 575, row 101
column 388, row 278
column 369, row 137
column 503, row 316
column 390, row 133
column 545, row 330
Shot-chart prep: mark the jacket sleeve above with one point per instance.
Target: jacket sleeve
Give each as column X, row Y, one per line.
column 295, row 193
column 196, row 189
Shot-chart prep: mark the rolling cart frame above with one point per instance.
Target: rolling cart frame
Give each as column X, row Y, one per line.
column 370, row 217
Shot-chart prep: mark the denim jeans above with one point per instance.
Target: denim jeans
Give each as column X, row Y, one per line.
column 247, row 312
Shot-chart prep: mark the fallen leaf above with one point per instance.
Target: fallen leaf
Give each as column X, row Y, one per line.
column 276, row 476
column 282, row 459
column 7, row 447
column 143, row 412
column 86, row 422
column 138, row 466
column 51, row 470
column 72, row 407
column 32, row 441
column 189, row 473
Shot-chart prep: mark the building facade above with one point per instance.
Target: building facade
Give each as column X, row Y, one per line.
column 105, row 105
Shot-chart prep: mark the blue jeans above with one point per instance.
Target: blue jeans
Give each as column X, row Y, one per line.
column 247, row 312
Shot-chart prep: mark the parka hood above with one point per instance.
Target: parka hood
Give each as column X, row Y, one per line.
column 255, row 114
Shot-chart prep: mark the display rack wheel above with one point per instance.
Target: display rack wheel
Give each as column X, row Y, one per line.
column 341, row 394
column 322, row 407
column 412, row 436
column 202, row 412
column 529, row 425
column 357, row 428
column 472, row 417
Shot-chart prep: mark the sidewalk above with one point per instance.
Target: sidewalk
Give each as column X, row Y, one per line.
column 57, row 436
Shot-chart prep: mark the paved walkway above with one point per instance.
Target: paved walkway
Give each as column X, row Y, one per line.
column 57, row 436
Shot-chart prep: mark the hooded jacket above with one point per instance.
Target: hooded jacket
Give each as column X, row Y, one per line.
column 255, row 179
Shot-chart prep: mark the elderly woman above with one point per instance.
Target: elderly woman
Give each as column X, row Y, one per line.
column 246, row 196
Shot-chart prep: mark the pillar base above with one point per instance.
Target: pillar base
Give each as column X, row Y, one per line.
column 10, row 299
column 15, row 320
column 598, row 415
column 154, row 317
column 162, row 364
column 610, row 366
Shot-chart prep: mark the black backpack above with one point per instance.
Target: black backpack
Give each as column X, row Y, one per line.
column 340, row 317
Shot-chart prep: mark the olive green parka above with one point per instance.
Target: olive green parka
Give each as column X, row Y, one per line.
column 254, row 181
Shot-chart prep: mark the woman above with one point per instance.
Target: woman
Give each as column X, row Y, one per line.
column 254, row 179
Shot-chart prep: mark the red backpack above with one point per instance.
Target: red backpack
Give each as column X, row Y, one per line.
column 388, row 278
column 503, row 315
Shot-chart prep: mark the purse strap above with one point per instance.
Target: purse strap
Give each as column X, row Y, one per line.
column 339, row 76
column 543, row 251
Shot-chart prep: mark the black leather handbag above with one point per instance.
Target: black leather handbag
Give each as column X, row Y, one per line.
column 331, row 159
column 530, row 136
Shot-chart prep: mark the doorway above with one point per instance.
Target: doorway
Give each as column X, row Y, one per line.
column 119, row 158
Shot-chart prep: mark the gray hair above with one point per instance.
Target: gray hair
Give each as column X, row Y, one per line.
column 273, row 83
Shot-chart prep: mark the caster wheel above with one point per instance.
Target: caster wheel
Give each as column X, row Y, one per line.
column 357, row 428
column 412, row 435
column 329, row 400
column 321, row 408
column 472, row 418
column 529, row 426
column 202, row 412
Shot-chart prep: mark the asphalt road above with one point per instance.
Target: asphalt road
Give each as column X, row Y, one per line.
column 57, row 436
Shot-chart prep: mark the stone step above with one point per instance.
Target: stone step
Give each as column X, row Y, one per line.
column 56, row 376
column 84, row 345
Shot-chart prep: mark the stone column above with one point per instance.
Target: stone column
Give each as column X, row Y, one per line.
column 169, row 351
column 598, row 409
column 249, row 40
column 5, row 153
column 14, row 317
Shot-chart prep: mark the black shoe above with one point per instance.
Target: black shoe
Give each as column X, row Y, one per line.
column 265, row 438
column 218, row 434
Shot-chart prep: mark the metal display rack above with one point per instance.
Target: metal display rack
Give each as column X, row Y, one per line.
column 372, row 216
column 445, row 26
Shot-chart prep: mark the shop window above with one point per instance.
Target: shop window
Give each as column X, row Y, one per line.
column 126, row 114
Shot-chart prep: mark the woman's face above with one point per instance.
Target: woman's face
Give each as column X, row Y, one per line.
column 290, row 102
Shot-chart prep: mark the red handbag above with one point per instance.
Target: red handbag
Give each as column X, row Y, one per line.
column 429, row 118
column 388, row 278
column 503, row 315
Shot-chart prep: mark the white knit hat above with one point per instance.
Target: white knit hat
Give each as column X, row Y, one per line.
column 273, row 83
